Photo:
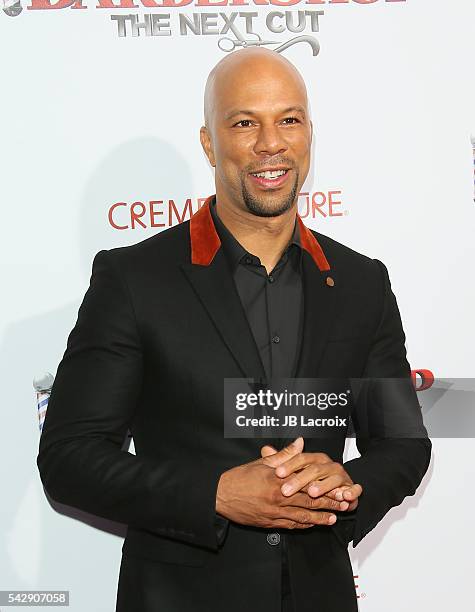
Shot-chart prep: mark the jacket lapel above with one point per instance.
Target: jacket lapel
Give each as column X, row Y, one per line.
column 210, row 277
column 320, row 290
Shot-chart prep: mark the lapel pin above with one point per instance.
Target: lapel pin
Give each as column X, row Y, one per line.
column 330, row 281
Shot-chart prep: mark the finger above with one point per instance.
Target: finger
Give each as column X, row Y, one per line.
column 353, row 492
column 348, row 492
column 295, row 448
column 312, row 472
column 323, row 485
column 337, row 494
column 308, row 517
column 298, row 462
column 320, row 503
column 268, row 450
column 334, row 493
column 344, row 505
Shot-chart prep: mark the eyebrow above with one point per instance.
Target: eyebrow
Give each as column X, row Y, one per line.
column 233, row 113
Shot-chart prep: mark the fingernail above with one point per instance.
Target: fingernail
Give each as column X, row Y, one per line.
column 332, row 519
column 313, row 491
column 286, row 489
column 344, row 505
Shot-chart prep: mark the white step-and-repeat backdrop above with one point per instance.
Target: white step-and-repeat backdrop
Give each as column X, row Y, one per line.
column 101, row 109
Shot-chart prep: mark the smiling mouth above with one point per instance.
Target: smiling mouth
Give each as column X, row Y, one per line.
column 270, row 175
column 270, row 179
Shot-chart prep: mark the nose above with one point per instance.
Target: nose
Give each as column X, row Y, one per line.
column 269, row 140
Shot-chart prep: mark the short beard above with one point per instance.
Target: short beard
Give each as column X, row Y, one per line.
column 256, row 207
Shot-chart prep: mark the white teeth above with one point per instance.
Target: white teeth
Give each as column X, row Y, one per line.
column 270, row 174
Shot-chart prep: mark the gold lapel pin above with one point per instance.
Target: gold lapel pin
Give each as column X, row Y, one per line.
column 330, row 281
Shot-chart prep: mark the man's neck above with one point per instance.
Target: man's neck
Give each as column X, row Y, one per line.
column 265, row 237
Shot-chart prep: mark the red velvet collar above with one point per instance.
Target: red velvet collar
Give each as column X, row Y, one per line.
column 205, row 241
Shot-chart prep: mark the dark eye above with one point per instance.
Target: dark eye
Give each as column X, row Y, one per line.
column 291, row 119
column 248, row 121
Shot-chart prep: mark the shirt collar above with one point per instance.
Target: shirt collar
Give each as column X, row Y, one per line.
column 233, row 249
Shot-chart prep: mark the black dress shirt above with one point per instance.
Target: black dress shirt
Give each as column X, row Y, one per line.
column 273, row 304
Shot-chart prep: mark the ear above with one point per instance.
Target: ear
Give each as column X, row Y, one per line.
column 311, row 132
column 207, row 145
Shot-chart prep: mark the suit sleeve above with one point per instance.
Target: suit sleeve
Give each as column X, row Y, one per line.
column 92, row 405
column 390, row 467
column 222, row 525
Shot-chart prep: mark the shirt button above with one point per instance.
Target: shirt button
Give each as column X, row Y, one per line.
column 270, row 278
column 276, row 339
column 247, row 259
column 273, row 538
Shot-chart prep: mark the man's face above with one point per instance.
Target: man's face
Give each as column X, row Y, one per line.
column 259, row 137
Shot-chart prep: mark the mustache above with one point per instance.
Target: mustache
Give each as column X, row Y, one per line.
column 275, row 161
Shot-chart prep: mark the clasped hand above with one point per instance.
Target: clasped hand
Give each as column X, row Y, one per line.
column 288, row 489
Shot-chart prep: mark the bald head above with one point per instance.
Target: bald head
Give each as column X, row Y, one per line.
column 242, row 68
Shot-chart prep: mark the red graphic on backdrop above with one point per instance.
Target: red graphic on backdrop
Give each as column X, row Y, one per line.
column 422, row 379
column 166, row 213
column 43, row 5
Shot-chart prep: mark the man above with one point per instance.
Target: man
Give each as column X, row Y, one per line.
column 243, row 289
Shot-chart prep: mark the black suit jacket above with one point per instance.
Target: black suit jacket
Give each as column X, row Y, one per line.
column 159, row 328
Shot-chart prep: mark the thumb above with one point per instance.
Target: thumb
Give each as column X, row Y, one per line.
column 268, row 450
column 274, row 459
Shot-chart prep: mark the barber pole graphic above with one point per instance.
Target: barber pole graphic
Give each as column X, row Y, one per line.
column 12, row 8
column 42, row 385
